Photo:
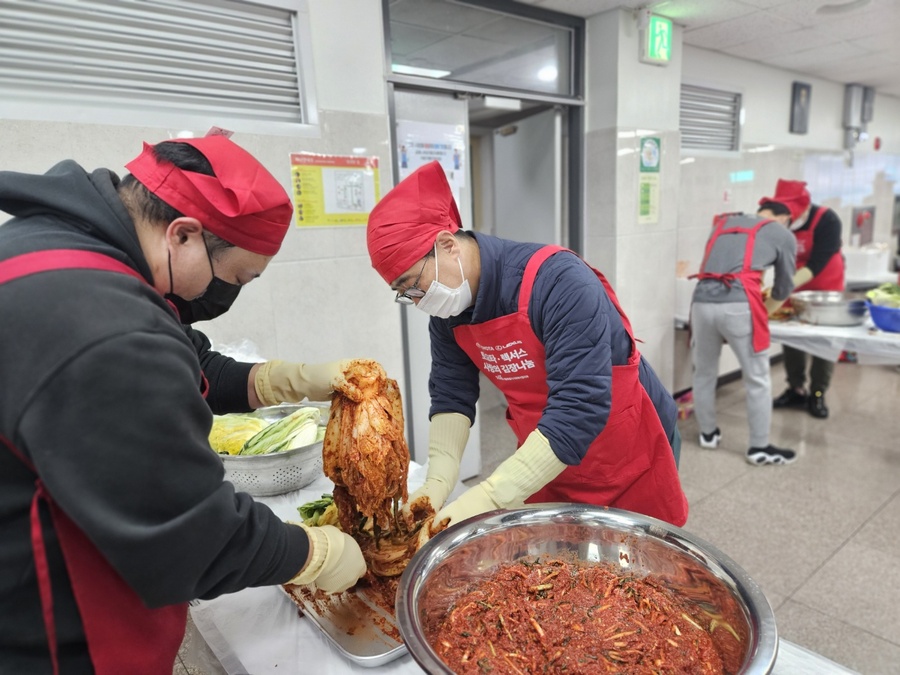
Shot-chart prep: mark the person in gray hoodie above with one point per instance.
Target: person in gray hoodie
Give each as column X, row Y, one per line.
column 729, row 305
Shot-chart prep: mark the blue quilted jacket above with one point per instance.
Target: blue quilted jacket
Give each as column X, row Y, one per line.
column 582, row 334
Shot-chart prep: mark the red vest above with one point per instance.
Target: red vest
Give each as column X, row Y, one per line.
column 630, row 465
column 831, row 278
column 122, row 634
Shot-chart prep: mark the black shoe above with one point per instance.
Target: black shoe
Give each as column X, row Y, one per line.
column 770, row 455
column 816, row 405
column 710, row 441
column 790, row 398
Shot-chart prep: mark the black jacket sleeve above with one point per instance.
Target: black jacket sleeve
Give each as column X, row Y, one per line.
column 826, row 240
column 126, row 456
column 228, row 379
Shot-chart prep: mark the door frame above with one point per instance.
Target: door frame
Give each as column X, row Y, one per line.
column 572, row 105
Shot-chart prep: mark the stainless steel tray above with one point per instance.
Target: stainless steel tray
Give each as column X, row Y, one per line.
column 359, row 629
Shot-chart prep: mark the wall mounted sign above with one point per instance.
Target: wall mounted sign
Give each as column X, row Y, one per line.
column 333, row 190
column 650, row 155
column 656, row 40
column 800, row 94
column 421, row 142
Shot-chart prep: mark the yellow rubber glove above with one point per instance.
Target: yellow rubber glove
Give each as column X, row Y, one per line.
column 531, row 467
column 801, row 276
column 335, row 560
column 283, row 382
column 448, row 434
column 772, row 305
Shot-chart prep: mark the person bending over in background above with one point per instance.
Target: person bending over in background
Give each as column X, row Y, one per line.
column 820, row 267
column 593, row 422
column 729, row 306
column 114, row 509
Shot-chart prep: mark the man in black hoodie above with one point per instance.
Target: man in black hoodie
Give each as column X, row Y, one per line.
column 113, row 509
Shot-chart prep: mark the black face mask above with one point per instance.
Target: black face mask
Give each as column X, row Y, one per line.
column 217, row 299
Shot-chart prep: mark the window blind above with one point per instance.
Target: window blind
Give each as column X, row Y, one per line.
column 224, row 58
column 710, row 119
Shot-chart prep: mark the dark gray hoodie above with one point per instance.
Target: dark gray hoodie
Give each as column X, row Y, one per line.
column 101, row 393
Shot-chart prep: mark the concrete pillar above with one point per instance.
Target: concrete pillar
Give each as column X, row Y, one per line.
column 628, row 100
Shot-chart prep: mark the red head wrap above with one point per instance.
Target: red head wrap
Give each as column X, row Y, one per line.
column 404, row 224
column 793, row 194
column 243, row 203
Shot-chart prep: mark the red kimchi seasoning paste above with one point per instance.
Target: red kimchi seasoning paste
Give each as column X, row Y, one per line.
column 553, row 616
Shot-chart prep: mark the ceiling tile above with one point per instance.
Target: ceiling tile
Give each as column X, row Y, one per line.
column 697, row 13
column 436, row 14
column 736, row 31
column 587, row 8
column 774, row 45
column 455, row 52
column 406, row 39
column 813, row 60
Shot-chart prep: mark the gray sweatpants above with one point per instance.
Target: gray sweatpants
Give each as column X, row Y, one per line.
column 712, row 324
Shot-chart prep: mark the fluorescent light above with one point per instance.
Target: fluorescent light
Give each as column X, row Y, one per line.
column 688, row 160
column 762, row 148
column 548, row 74
column 414, row 70
column 625, row 151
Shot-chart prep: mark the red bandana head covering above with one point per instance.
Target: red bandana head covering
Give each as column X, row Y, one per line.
column 404, row 224
column 793, row 194
column 243, row 203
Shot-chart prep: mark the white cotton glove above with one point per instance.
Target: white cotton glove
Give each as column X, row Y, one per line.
column 448, row 434
column 532, row 466
column 335, row 560
column 283, row 382
column 801, row 276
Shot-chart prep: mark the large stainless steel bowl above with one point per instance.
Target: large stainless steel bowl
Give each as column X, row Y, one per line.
column 447, row 566
column 267, row 475
column 830, row 308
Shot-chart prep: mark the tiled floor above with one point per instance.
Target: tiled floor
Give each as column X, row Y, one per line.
column 821, row 536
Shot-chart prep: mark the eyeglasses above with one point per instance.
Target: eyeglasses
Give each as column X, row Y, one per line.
column 406, row 297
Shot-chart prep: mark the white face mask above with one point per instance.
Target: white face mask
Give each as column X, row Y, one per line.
column 444, row 302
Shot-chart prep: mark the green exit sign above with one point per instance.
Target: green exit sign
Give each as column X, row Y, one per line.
column 656, row 42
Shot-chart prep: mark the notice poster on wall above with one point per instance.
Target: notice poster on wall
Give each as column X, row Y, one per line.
column 421, row 142
column 330, row 190
column 648, row 182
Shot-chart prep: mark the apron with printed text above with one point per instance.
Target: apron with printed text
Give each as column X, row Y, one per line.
column 123, row 635
column 630, row 465
column 831, row 278
column 751, row 279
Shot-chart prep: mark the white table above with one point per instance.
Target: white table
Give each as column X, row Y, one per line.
column 871, row 345
column 258, row 631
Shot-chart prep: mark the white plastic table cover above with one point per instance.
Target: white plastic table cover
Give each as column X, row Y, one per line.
column 871, row 345
column 258, row 630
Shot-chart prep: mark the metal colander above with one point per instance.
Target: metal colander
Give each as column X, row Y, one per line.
column 266, row 475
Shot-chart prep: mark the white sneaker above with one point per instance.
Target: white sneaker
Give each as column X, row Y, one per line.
column 710, row 441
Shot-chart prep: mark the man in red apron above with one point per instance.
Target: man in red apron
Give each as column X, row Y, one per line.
column 593, row 422
column 114, row 510
column 728, row 306
column 820, row 267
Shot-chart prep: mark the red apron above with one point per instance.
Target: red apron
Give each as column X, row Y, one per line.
column 751, row 279
column 122, row 634
column 630, row 465
column 831, row 278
